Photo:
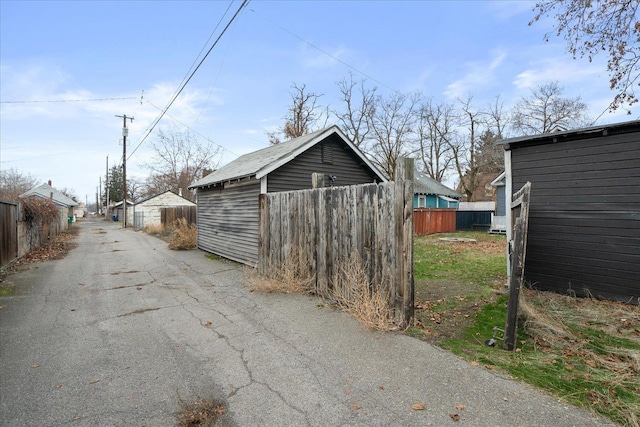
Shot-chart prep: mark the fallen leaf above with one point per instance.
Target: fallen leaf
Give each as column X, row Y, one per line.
column 35, row 365
column 73, row 309
column 94, row 381
column 418, row 406
column 474, row 363
column 381, row 387
column 455, row 417
column 139, row 288
column 208, row 323
column 58, row 386
column 459, row 407
column 356, row 406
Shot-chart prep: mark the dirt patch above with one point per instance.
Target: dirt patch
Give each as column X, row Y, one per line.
column 444, row 311
column 446, row 303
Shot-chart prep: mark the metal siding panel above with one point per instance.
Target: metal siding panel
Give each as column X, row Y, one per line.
column 228, row 222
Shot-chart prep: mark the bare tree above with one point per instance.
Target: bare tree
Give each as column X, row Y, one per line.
column 436, row 130
column 464, row 148
column 302, row 117
column 179, row 160
column 359, row 106
column 546, row 109
column 392, row 129
column 13, row 183
column 596, row 26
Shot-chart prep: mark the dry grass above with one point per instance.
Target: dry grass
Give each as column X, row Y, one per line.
column 154, row 229
column 289, row 276
column 352, row 293
column 597, row 345
column 184, row 236
column 367, row 303
column 202, row 413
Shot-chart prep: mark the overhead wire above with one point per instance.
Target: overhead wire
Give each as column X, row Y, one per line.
column 186, row 81
column 192, row 130
column 325, row 52
column 67, row 100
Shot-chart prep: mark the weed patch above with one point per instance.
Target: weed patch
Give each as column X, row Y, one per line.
column 291, row 275
column 184, row 236
column 201, row 413
column 366, row 302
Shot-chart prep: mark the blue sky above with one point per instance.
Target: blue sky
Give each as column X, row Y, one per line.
column 130, row 57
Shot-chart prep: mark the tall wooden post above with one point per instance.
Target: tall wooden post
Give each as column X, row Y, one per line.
column 404, row 240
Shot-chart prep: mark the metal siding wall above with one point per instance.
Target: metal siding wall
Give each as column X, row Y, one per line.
column 228, row 222
column 296, row 175
column 501, row 207
column 584, row 226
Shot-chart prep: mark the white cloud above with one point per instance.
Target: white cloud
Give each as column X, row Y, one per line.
column 555, row 69
column 479, row 74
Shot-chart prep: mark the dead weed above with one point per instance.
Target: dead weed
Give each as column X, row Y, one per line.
column 201, row 413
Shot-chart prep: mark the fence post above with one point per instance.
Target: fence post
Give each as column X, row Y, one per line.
column 404, row 241
column 263, row 237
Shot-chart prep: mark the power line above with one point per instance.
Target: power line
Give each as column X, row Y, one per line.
column 192, row 130
column 185, row 82
column 325, row 52
column 66, row 100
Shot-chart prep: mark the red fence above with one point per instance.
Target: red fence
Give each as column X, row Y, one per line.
column 433, row 220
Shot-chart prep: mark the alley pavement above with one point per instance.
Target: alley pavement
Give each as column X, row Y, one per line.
column 122, row 329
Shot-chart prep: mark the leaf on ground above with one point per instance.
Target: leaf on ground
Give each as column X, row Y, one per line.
column 455, row 417
column 35, row 365
column 459, row 406
column 208, row 323
column 418, row 406
column 356, row 407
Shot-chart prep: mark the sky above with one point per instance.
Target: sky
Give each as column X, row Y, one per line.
column 69, row 68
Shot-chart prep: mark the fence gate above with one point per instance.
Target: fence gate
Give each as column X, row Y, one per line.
column 517, row 252
column 138, row 220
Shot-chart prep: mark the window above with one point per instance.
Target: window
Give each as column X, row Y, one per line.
column 422, row 201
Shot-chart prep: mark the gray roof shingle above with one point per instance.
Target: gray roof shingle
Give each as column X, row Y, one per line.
column 423, row 184
column 45, row 191
column 260, row 163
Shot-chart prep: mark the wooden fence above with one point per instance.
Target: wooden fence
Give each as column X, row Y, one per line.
column 8, row 231
column 434, row 220
column 333, row 232
column 168, row 216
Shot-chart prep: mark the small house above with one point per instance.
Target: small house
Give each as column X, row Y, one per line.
column 147, row 211
column 499, row 218
column 434, row 206
column 584, row 211
column 65, row 204
column 117, row 211
column 228, row 199
column 429, row 193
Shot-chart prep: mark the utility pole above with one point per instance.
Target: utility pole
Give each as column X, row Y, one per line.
column 106, row 187
column 125, row 131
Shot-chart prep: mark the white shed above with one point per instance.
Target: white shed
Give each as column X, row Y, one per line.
column 147, row 211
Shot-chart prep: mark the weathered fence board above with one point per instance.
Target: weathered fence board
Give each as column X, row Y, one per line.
column 434, row 220
column 8, row 232
column 326, row 230
column 168, row 216
column 520, row 216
